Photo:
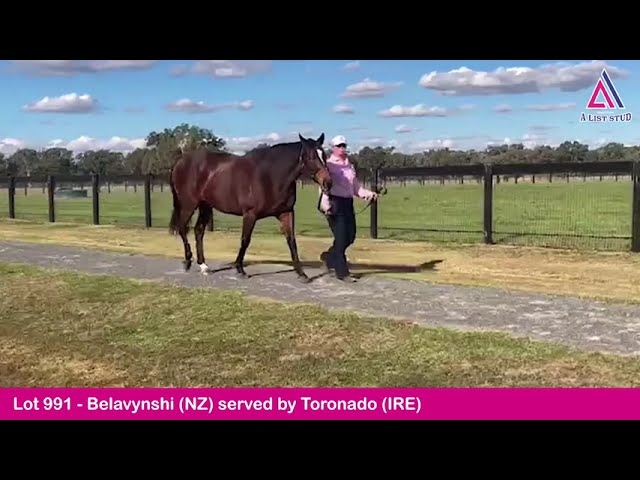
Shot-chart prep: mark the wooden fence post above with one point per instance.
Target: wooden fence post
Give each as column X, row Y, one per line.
column 488, row 203
column 147, row 200
column 635, row 210
column 373, row 225
column 51, row 184
column 95, row 196
column 12, row 197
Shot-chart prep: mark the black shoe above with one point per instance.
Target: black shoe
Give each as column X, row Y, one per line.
column 347, row 278
column 324, row 258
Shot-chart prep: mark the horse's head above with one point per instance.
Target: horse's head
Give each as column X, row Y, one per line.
column 314, row 160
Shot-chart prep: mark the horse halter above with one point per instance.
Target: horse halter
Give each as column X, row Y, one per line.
column 304, row 164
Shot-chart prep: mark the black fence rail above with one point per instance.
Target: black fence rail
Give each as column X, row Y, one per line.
column 592, row 205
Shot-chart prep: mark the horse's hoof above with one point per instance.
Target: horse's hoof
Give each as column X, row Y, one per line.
column 187, row 265
column 304, row 279
column 242, row 275
column 204, row 269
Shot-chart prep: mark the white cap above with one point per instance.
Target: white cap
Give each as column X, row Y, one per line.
column 337, row 140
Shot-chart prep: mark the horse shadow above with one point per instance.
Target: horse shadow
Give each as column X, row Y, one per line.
column 362, row 269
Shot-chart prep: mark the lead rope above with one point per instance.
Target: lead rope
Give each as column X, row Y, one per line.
column 379, row 190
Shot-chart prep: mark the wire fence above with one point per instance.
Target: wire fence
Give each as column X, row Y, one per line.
column 572, row 205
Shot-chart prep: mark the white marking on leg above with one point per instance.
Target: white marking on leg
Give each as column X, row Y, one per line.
column 204, row 269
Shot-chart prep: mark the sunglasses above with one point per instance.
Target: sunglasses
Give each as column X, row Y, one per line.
column 341, row 145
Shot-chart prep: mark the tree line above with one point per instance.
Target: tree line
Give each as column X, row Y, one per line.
column 157, row 156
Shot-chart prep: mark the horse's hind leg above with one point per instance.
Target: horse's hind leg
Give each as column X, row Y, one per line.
column 287, row 228
column 201, row 224
column 248, row 224
column 183, row 230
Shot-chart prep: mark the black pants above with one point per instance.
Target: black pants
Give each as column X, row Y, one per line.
column 342, row 222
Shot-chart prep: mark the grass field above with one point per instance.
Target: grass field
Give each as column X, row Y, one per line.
column 69, row 330
column 555, row 214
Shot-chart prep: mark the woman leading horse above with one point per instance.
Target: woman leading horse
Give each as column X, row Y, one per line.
column 337, row 205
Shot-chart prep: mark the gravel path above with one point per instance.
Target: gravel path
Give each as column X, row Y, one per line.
column 589, row 325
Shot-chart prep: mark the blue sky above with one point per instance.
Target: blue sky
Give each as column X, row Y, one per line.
column 410, row 104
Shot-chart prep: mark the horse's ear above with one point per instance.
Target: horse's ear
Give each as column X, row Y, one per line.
column 302, row 139
column 320, row 139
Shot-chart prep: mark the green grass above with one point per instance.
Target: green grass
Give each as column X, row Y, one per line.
column 555, row 214
column 70, row 330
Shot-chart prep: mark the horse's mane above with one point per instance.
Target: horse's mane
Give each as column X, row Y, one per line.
column 272, row 151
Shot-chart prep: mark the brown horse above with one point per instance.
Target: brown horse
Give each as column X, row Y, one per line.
column 257, row 185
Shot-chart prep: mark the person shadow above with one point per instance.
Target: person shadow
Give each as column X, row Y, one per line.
column 360, row 270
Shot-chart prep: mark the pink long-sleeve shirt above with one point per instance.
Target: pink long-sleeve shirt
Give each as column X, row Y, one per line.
column 345, row 183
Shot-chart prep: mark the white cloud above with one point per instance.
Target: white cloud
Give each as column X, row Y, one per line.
column 106, row 65
column 8, row 146
column 179, row 70
column 528, row 140
column 75, row 67
column 406, row 147
column 405, row 129
column 224, row 68
column 597, row 143
column 421, row 110
column 418, row 110
column 513, row 80
column 351, row 67
column 503, row 108
column 504, row 141
column 68, row 103
column 244, row 105
column 343, row 109
column 422, row 145
column 190, row 106
column 551, row 107
column 86, row 143
column 240, row 145
column 532, row 140
column 369, row 88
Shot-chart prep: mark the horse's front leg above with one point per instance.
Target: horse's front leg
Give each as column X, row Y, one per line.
column 287, row 228
column 248, row 224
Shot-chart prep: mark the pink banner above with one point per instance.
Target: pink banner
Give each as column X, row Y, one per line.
column 318, row 404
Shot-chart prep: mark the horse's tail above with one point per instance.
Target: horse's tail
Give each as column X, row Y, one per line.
column 175, row 214
column 174, row 227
